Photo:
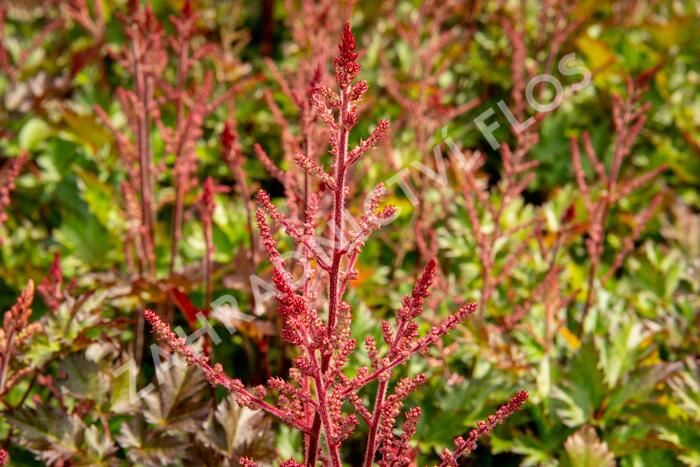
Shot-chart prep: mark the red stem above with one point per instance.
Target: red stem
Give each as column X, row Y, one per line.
column 379, row 403
column 147, row 211
column 179, row 189
column 207, row 262
column 334, row 293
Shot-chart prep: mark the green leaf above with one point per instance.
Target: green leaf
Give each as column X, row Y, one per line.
column 584, row 449
column 621, row 350
column 179, row 401
column 288, row 442
column 236, row 432
column 41, row 350
column 33, row 133
column 148, row 447
column 83, row 378
column 123, row 398
column 639, row 386
column 581, row 393
column 99, row 446
column 53, row 435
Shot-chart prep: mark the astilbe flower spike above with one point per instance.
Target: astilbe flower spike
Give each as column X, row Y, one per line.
column 234, row 158
column 629, row 116
column 215, row 374
column 315, row 397
column 4, row 457
column 483, row 428
column 16, row 331
column 418, row 90
column 207, row 205
column 51, row 287
column 8, row 174
column 313, row 30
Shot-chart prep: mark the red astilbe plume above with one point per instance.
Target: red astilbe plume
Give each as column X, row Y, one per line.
column 483, row 428
column 484, row 209
column 9, row 172
column 90, row 16
column 15, row 332
column 193, row 102
column 319, row 398
column 233, row 156
column 530, row 56
column 215, row 374
column 4, row 457
column 145, row 58
column 15, row 67
column 629, row 116
column 536, row 55
column 516, row 177
column 207, row 205
column 147, row 105
column 431, row 30
column 51, row 287
column 313, row 31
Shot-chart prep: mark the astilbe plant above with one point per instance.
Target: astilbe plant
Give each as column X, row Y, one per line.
column 488, row 202
column 178, row 108
column 16, row 331
column 312, row 32
column 429, row 31
column 629, row 116
column 502, row 249
column 190, row 98
column 528, row 58
column 314, row 397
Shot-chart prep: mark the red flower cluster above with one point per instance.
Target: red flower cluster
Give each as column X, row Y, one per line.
column 483, row 428
column 8, row 174
column 315, row 397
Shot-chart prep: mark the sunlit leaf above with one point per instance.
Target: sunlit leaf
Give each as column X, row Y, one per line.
column 584, row 449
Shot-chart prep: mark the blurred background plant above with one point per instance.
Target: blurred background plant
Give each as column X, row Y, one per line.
column 113, row 115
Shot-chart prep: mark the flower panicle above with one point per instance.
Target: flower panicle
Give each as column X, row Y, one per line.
column 374, row 138
column 228, row 138
column 17, row 317
column 413, row 304
column 8, row 175
column 346, row 67
column 314, row 169
column 373, row 218
column 465, row 446
column 206, row 200
column 298, row 234
column 51, row 287
column 319, row 396
column 216, row 376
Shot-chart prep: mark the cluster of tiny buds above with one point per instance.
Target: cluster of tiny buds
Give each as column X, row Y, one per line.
column 247, row 462
column 313, row 399
column 18, row 316
column 346, row 68
column 9, row 173
column 215, row 375
column 483, row 428
column 228, row 138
